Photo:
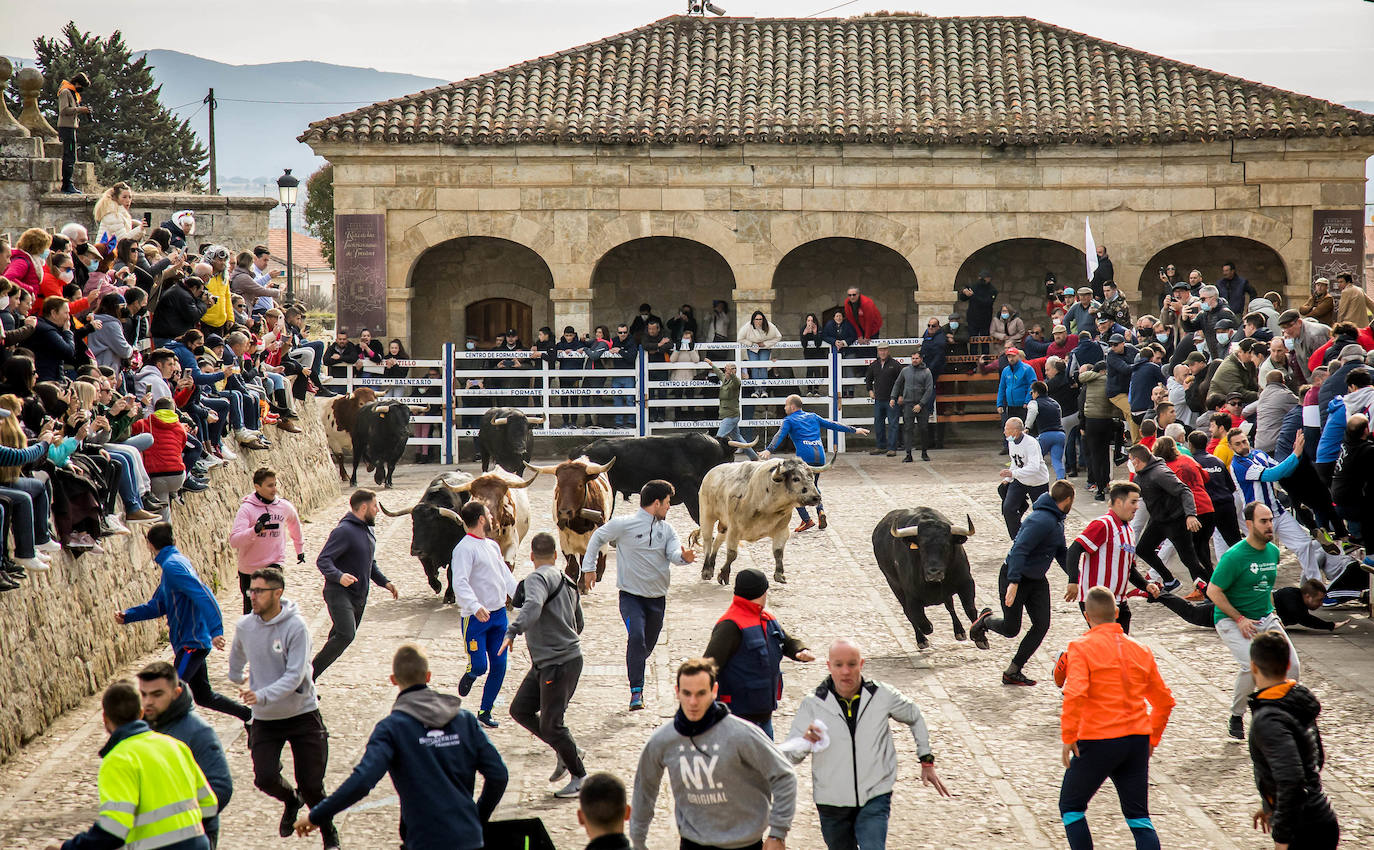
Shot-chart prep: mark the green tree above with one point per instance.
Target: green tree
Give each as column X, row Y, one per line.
column 319, row 208
column 129, row 134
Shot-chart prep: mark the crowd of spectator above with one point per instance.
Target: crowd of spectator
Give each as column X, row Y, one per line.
column 131, row 365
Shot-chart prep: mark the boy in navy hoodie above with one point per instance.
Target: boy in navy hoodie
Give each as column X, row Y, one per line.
column 433, row 750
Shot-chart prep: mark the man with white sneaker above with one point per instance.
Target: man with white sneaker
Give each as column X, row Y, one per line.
column 24, row 503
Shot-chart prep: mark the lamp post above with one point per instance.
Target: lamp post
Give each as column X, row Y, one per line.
column 286, row 191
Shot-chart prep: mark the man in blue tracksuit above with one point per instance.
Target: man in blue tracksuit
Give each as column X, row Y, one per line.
column 1014, row 388
column 433, row 750
column 193, row 620
column 805, row 430
column 1022, row 580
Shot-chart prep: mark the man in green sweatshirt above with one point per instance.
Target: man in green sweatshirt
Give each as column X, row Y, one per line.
column 729, row 404
column 731, row 786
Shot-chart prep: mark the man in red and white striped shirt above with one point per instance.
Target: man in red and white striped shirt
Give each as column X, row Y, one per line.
column 1109, row 546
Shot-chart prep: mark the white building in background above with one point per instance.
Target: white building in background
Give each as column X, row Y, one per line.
column 313, row 275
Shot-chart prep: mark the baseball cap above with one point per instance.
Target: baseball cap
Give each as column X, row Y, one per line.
column 1059, row 329
column 213, row 340
column 1116, row 339
column 1069, row 290
column 1015, row 351
column 1181, row 284
column 1287, row 317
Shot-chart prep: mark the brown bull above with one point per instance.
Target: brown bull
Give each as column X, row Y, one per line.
column 582, row 503
column 505, row 497
column 339, row 417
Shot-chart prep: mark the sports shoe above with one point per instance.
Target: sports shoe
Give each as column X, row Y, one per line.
column 151, row 502
column 287, row 826
column 877, row 452
column 560, row 770
column 907, row 459
column 37, row 564
column 1367, row 564
column 485, row 718
column 1171, row 585
column 820, row 516
column 112, row 523
column 806, row 525
column 1198, row 593
column 226, row 454
column 465, row 684
column 139, row 515
column 569, row 791
column 1236, row 728
column 329, row 834
column 636, row 699
column 50, row 546
column 195, row 485
column 7, row 583
column 1017, row 678
column 1328, row 542
column 978, row 630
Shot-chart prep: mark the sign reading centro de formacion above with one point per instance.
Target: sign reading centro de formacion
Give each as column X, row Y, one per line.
column 360, row 272
column 1338, row 245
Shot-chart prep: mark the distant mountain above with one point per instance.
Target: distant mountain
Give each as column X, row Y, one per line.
column 255, row 141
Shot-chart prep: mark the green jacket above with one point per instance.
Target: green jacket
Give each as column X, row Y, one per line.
column 1095, row 404
column 1233, row 376
column 729, row 392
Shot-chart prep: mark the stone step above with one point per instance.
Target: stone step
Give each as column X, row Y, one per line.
column 26, row 146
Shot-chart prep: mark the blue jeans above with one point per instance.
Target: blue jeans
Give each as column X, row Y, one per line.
column 1052, row 442
column 623, row 401
column 643, row 617
column 820, row 506
column 856, row 827
column 887, row 418
column 763, row 354
column 124, row 482
column 29, row 518
column 483, row 645
column 729, row 427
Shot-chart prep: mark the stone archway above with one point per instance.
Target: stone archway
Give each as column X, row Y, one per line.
column 462, row 271
column 813, row 277
column 1255, row 261
column 1018, row 268
column 663, row 271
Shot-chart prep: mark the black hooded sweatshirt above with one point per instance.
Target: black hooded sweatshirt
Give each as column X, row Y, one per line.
column 1286, row 748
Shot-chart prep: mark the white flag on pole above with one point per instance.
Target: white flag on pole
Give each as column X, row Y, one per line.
column 1090, row 247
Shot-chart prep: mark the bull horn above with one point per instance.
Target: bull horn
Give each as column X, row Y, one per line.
column 461, row 488
column 963, row 532
column 500, row 421
column 535, row 420
column 816, row 470
column 595, row 516
column 445, row 512
column 541, row 470
column 594, row 469
column 749, row 445
column 907, row 531
column 522, row 483
column 395, row 513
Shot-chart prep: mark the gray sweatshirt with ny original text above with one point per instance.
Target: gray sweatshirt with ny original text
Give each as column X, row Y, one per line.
column 731, row 786
column 550, row 619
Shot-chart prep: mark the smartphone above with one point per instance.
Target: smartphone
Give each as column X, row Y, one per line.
column 148, row 218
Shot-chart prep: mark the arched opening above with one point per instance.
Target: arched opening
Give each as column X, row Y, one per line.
column 1255, row 261
column 814, row 277
column 665, row 272
column 1018, row 268
column 468, row 271
column 490, row 317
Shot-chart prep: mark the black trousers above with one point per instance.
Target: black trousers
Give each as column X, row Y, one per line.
column 1202, row 540
column 67, row 135
column 1126, row 762
column 309, row 750
column 190, row 664
column 1097, row 439
column 688, row 844
column 346, row 610
column 1032, row 597
column 916, row 425
column 1018, row 498
column 1176, row 532
column 540, row 704
column 1196, row 614
column 1227, row 523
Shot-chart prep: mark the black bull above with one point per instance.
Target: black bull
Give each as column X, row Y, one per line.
column 380, row 434
column 435, row 528
column 680, row 459
column 504, row 437
column 922, row 557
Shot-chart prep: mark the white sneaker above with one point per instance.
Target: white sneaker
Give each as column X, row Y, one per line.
column 112, row 522
column 51, row 547
column 38, row 564
column 211, row 461
column 226, row 454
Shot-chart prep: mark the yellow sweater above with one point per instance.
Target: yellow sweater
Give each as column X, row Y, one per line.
column 222, row 311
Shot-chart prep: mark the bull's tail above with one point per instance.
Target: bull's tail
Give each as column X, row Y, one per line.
column 694, row 539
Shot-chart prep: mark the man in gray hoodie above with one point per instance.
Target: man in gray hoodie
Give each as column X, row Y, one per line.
column 274, row 642
column 914, row 395
column 550, row 618
column 731, row 786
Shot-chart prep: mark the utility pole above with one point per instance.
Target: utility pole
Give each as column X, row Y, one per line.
column 214, row 179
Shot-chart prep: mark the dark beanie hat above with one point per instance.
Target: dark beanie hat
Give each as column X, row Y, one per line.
column 750, row 584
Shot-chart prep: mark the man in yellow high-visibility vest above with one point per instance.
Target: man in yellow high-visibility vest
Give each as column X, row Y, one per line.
column 152, row 793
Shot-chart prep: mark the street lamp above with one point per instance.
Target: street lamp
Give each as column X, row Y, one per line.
column 286, row 191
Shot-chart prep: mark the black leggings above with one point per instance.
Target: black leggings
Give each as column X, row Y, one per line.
column 1032, row 596
column 1202, row 540
column 1227, row 522
column 190, row 664
column 1097, row 438
column 1177, row 533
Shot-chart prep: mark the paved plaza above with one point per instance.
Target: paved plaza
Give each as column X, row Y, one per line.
column 997, row 747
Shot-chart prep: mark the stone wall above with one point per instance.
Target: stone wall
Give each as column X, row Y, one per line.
column 237, row 223
column 58, row 638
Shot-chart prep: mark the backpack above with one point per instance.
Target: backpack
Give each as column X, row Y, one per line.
column 518, row 599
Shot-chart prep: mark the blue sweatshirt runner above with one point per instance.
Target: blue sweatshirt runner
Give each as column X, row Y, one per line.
column 192, row 612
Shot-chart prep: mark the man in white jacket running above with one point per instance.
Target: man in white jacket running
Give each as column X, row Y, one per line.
column 482, row 582
column 852, row 777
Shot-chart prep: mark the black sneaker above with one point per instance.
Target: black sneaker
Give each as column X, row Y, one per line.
column 465, row 684
column 978, row 630
column 1236, row 729
column 925, row 457
column 329, row 834
column 907, row 459
column 485, row 718
column 1017, row 678
column 287, row 827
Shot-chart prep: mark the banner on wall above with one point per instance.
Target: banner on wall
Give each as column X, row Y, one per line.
column 1338, row 245
column 360, row 273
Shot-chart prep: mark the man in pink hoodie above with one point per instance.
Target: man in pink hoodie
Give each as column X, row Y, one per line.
column 257, row 536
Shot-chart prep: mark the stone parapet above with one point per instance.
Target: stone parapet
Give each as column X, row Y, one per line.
column 237, row 223
column 57, row 633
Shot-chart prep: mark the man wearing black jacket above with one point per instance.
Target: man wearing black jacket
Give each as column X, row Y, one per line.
column 1173, row 517
column 1286, row 748
column 602, row 809
column 878, row 380
column 180, row 305
column 348, row 563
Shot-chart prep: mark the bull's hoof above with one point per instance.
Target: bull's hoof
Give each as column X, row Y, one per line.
column 706, row 573
column 449, row 598
column 922, row 642
column 960, row 636
column 435, row 585
column 779, row 577
column 724, row 577
column 981, row 643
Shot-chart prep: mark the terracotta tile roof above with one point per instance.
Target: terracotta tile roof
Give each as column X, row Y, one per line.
column 306, row 251
column 898, row 79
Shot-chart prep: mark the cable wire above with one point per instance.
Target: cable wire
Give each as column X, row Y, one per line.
column 304, row 102
column 832, row 8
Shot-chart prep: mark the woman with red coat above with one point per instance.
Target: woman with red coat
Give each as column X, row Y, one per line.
column 1193, row 475
column 163, row 460
column 57, row 273
column 28, row 258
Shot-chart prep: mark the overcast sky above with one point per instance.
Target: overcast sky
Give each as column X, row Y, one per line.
column 1318, row 47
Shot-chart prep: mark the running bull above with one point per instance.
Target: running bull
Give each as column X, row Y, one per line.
column 922, row 557
column 504, row 437
column 380, row 435
column 582, row 503
column 680, row 459
column 338, row 418
column 750, row 501
column 435, row 528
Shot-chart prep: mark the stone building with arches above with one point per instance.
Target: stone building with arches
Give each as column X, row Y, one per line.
column 773, row 163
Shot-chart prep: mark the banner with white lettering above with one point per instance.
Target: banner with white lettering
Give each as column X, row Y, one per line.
column 1338, row 245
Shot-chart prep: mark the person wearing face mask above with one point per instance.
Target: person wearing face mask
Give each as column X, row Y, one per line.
column 642, row 321
column 1007, row 327
column 28, row 258
column 956, row 333
column 1302, row 337
column 684, row 351
column 1205, row 313
column 69, row 115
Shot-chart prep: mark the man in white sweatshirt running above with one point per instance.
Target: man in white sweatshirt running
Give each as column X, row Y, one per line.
column 1027, row 478
column 481, row 583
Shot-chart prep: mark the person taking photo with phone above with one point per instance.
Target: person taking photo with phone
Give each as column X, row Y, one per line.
column 260, row 528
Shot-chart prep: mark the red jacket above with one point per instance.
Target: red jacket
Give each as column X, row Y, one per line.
column 869, row 322
column 1190, row 473
column 52, row 286
column 22, row 271
column 169, row 439
column 1365, row 340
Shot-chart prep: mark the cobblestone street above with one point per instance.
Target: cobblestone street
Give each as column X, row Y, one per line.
column 996, row 747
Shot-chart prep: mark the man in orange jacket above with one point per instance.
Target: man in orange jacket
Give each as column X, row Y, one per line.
column 1107, row 731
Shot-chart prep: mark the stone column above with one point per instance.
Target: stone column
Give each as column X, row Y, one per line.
column 9, row 128
column 572, row 307
column 30, row 82
column 749, row 300
column 398, row 314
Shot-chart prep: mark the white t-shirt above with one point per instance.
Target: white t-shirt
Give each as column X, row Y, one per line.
column 1027, row 462
column 481, row 578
